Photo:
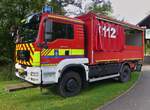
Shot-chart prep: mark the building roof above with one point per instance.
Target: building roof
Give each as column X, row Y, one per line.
column 145, row 22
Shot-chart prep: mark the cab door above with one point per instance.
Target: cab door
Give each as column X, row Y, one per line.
column 62, row 41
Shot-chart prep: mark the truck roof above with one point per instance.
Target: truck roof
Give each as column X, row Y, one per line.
column 109, row 19
column 65, row 18
column 97, row 15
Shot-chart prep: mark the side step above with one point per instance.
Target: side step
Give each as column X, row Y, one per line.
column 19, row 86
column 105, row 77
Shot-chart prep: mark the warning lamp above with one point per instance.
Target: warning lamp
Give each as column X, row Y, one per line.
column 47, row 9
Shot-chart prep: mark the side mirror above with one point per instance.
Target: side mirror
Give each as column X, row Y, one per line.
column 13, row 31
column 48, row 30
column 48, row 37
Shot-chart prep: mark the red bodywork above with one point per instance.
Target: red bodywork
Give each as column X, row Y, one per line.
column 99, row 46
column 76, row 43
column 102, row 48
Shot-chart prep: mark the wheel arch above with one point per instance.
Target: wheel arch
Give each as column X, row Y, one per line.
column 73, row 64
column 79, row 68
column 123, row 64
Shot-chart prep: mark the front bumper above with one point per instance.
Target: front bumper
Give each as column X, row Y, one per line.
column 37, row 75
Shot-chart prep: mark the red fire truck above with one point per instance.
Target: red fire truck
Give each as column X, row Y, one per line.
column 70, row 52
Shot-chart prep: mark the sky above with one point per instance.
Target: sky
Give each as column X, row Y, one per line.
column 132, row 11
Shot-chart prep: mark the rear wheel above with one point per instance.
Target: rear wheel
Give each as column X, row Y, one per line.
column 138, row 67
column 125, row 74
column 70, row 84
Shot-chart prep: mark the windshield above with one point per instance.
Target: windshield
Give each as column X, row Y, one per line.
column 28, row 31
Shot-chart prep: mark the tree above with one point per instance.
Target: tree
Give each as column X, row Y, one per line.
column 12, row 12
column 57, row 6
column 77, row 7
column 102, row 7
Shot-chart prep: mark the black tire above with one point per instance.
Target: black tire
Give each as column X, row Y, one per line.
column 125, row 74
column 70, row 84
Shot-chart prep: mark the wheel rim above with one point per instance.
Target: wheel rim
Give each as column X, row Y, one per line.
column 125, row 75
column 71, row 85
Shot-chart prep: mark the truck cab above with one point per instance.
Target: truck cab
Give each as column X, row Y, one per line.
column 47, row 44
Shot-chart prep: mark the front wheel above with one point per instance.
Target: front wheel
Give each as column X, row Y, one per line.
column 125, row 74
column 69, row 84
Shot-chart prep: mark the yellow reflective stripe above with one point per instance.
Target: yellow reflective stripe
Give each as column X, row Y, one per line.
column 18, row 47
column 30, row 60
column 77, row 52
column 36, row 59
column 25, row 62
column 28, row 63
column 23, row 48
column 62, row 51
column 44, row 51
column 27, row 46
column 47, row 51
column 51, row 53
column 32, row 47
column 72, row 51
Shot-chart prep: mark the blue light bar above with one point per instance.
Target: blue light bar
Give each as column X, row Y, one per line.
column 47, row 9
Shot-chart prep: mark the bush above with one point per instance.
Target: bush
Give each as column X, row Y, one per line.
column 7, row 72
column 5, row 61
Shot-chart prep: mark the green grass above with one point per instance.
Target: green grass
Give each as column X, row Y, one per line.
column 90, row 98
